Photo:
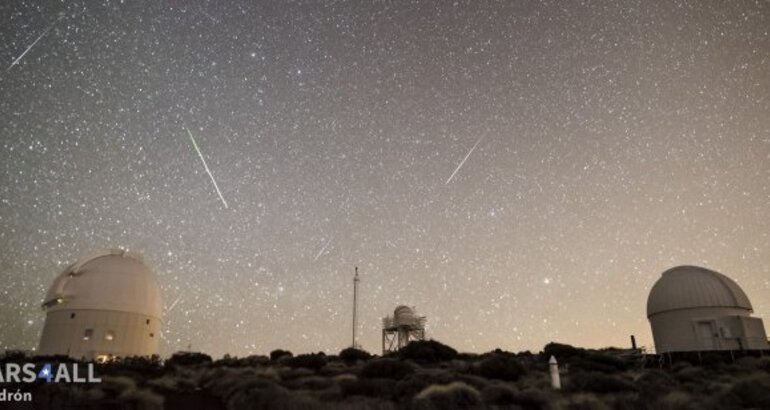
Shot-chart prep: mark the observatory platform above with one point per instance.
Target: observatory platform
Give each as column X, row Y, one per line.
column 401, row 329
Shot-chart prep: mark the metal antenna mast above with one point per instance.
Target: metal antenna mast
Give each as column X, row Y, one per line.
column 355, row 305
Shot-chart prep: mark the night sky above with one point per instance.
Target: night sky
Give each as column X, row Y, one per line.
column 598, row 144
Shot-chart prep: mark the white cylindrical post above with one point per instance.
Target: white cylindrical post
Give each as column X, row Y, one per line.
column 553, row 366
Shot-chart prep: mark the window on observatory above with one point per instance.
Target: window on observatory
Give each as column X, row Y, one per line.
column 109, row 335
column 87, row 334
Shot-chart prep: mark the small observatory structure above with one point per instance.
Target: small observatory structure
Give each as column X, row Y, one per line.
column 401, row 329
column 696, row 309
column 107, row 304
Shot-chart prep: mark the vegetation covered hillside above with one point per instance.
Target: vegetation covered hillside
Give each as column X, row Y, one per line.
column 425, row 375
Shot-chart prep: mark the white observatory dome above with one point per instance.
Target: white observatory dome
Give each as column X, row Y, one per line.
column 696, row 309
column 687, row 287
column 107, row 280
column 401, row 329
column 403, row 315
column 107, row 304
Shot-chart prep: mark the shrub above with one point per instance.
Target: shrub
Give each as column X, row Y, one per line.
column 291, row 373
column 248, row 361
column 346, row 377
column 313, row 361
column 501, row 367
column 597, row 362
column 276, row 354
column 690, row 374
column 427, row 351
column 583, row 401
column 506, row 397
column 747, row 363
column 499, row 395
column 13, row 356
column 536, row 399
column 713, row 360
column 386, row 369
column 525, row 354
column 188, row 359
column 413, row 384
column 382, row 388
column 455, row 395
column 310, row 383
column 352, row 355
column 655, row 383
column 115, row 385
column 599, row 383
column 198, row 399
column 230, row 383
column 677, row 400
column 753, row 392
column 764, row 364
column 477, row 382
column 334, row 368
column 259, row 396
column 561, row 351
column 142, row 399
column 138, row 366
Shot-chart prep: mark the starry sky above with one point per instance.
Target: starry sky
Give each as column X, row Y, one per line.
column 520, row 171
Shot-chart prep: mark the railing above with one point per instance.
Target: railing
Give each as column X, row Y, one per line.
column 715, row 344
column 415, row 322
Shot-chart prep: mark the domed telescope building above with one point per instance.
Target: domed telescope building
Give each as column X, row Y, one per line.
column 695, row 309
column 404, row 327
column 107, row 304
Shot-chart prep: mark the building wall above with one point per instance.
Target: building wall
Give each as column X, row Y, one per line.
column 132, row 334
column 754, row 331
column 703, row 329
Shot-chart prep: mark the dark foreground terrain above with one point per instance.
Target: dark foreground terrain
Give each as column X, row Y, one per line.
column 425, row 375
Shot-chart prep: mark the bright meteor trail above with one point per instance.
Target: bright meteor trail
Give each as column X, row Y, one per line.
column 206, row 167
column 16, row 61
column 322, row 250
column 463, row 161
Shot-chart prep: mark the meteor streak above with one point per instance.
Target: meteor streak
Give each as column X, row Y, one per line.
column 16, row 61
column 170, row 308
column 463, row 161
column 322, row 250
column 206, row 167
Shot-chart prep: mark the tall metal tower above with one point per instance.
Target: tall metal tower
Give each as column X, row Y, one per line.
column 355, row 306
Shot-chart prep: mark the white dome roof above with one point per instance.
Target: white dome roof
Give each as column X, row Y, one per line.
column 403, row 310
column 107, row 280
column 685, row 287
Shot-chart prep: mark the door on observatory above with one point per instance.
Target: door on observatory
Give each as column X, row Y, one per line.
column 707, row 335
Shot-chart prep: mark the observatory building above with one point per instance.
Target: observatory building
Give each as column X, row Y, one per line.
column 696, row 309
column 106, row 305
column 401, row 329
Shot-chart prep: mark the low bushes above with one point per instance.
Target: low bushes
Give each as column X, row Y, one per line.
column 352, row 355
column 500, row 366
column 456, row 395
column 382, row 388
column 313, row 361
column 386, row 369
column 277, row 354
column 749, row 393
column 599, row 383
column 188, row 359
column 561, row 351
column 427, row 351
